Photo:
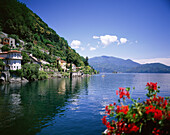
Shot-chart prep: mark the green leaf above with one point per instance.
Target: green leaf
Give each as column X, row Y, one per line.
column 160, row 122
column 119, row 100
column 140, row 129
column 128, row 89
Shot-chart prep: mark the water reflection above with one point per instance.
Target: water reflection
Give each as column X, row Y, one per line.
column 27, row 108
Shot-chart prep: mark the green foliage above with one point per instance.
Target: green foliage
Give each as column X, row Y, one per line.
column 1, row 64
column 17, row 72
column 30, row 71
column 65, row 74
column 42, row 75
column 86, row 61
column 29, row 46
column 17, row 19
column 25, row 58
column 5, row 48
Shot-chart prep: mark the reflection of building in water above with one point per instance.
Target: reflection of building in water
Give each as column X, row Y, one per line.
column 7, row 88
column 62, row 86
column 42, row 87
column 11, row 103
column 71, row 85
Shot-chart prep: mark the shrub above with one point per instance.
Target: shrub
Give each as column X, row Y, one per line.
column 30, row 71
column 42, row 75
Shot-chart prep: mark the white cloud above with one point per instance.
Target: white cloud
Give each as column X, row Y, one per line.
column 123, row 40
column 107, row 39
column 96, row 37
column 75, row 44
column 82, row 48
column 165, row 61
column 92, row 48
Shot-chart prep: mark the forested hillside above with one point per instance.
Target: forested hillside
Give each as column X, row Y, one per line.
column 22, row 23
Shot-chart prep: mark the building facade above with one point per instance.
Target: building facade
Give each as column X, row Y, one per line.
column 10, row 42
column 12, row 59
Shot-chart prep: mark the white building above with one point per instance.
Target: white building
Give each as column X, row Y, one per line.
column 73, row 67
column 63, row 65
column 12, row 59
column 9, row 41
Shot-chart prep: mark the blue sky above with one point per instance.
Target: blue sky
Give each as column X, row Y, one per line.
column 134, row 29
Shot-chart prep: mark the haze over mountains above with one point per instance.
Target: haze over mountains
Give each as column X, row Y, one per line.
column 112, row 64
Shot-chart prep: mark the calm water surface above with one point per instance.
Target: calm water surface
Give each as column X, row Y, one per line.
column 67, row 107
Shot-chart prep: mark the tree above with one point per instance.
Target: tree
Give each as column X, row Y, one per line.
column 25, row 58
column 86, row 62
column 30, row 71
column 1, row 64
column 29, row 46
column 5, row 48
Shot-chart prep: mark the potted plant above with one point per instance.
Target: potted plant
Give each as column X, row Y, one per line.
column 140, row 118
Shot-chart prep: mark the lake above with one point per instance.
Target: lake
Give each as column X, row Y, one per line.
column 67, row 106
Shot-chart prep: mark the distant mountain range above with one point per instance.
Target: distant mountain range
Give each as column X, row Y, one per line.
column 113, row 64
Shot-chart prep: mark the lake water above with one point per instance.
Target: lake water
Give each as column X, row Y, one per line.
column 67, row 107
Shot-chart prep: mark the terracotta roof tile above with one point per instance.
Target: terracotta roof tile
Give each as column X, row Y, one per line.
column 3, row 52
column 15, row 51
column 2, row 58
column 62, row 61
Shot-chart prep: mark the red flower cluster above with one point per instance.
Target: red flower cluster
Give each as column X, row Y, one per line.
column 159, row 101
column 157, row 113
column 156, row 131
column 122, row 92
column 154, row 112
column 104, row 120
column 123, row 109
column 124, row 128
column 109, row 108
column 152, row 86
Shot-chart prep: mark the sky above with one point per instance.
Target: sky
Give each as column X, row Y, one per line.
column 128, row 29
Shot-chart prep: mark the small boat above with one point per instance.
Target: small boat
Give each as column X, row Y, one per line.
column 103, row 75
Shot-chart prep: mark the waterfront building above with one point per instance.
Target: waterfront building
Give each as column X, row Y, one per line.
column 12, row 59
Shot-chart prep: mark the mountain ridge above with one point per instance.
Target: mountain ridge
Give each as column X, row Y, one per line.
column 114, row 64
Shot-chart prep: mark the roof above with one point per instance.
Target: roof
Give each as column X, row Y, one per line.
column 3, row 52
column 2, row 58
column 14, row 51
column 34, row 58
column 62, row 61
column 50, row 45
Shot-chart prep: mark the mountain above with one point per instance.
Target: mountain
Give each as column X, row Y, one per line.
column 113, row 64
column 20, row 22
column 150, row 68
